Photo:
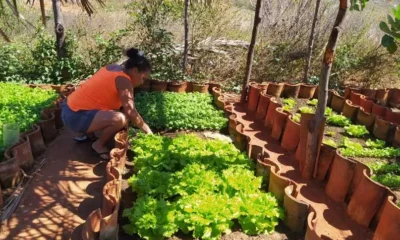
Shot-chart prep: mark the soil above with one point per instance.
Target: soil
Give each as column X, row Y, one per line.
column 301, row 102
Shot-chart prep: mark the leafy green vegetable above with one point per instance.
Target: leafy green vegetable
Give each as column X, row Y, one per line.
column 173, row 111
column 240, row 180
column 22, row 105
column 289, row 104
column 198, row 186
column 312, row 102
column 166, row 154
column 387, row 174
column 330, row 142
column 347, row 143
column 307, row 109
column 195, row 178
column 152, row 182
column 328, row 111
column 259, row 213
column 151, row 218
column 356, row 130
column 338, row 120
column 375, row 144
column 207, row 216
column 297, row 117
column 388, row 152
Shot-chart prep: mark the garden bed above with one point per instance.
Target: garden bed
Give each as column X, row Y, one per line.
column 22, row 106
column 206, row 173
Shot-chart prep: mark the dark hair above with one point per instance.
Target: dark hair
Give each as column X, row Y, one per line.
column 136, row 59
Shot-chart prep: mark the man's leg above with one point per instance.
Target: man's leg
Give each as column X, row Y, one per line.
column 110, row 122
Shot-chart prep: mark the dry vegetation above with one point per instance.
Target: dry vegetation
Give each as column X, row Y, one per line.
column 219, row 38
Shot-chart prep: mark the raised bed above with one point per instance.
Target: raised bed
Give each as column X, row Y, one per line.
column 361, row 206
column 36, row 111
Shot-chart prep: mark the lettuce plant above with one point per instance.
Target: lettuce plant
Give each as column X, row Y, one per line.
column 338, row 120
column 356, row 130
column 312, row 102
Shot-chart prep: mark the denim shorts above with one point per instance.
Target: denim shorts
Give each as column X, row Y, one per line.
column 79, row 121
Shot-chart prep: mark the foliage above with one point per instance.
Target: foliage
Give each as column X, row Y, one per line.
column 38, row 62
column 330, row 142
column 387, row 174
column 22, row 105
column 297, row 117
column 356, row 130
column 166, row 154
column 156, row 41
column 174, row 111
column 151, row 218
column 375, row 144
column 289, row 104
column 338, row 120
column 392, row 33
column 307, row 109
column 353, row 149
column 312, row 102
column 203, row 215
column 183, row 182
column 105, row 51
column 328, row 111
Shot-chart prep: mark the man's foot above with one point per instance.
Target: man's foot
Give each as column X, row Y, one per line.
column 101, row 151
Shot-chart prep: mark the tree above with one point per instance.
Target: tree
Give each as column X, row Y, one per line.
column 185, row 52
column 311, row 42
column 314, row 126
column 250, row 54
column 85, row 4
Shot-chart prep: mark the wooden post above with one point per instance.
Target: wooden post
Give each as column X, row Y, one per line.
column 315, row 125
column 43, row 11
column 250, row 54
column 59, row 28
column 311, row 43
column 185, row 51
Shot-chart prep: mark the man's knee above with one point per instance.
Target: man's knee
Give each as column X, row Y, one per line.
column 119, row 119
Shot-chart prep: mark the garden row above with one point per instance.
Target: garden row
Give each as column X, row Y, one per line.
column 29, row 118
column 262, row 127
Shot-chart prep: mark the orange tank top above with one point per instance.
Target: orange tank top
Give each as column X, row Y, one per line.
column 98, row 93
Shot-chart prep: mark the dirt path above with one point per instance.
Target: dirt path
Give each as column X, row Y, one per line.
column 61, row 196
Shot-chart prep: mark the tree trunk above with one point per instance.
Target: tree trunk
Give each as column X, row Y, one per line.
column 185, row 51
column 4, row 35
column 43, row 11
column 311, row 42
column 59, row 28
column 250, row 54
column 313, row 142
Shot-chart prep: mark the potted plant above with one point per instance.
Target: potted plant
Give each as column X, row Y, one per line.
column 177, row 82
column 201, row 83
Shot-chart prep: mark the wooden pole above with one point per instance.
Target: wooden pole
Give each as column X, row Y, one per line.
column 59, row 28
column 250, row 54
column 311, row 42
column 315, row 125
column 186, row 48
column 43, row 11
